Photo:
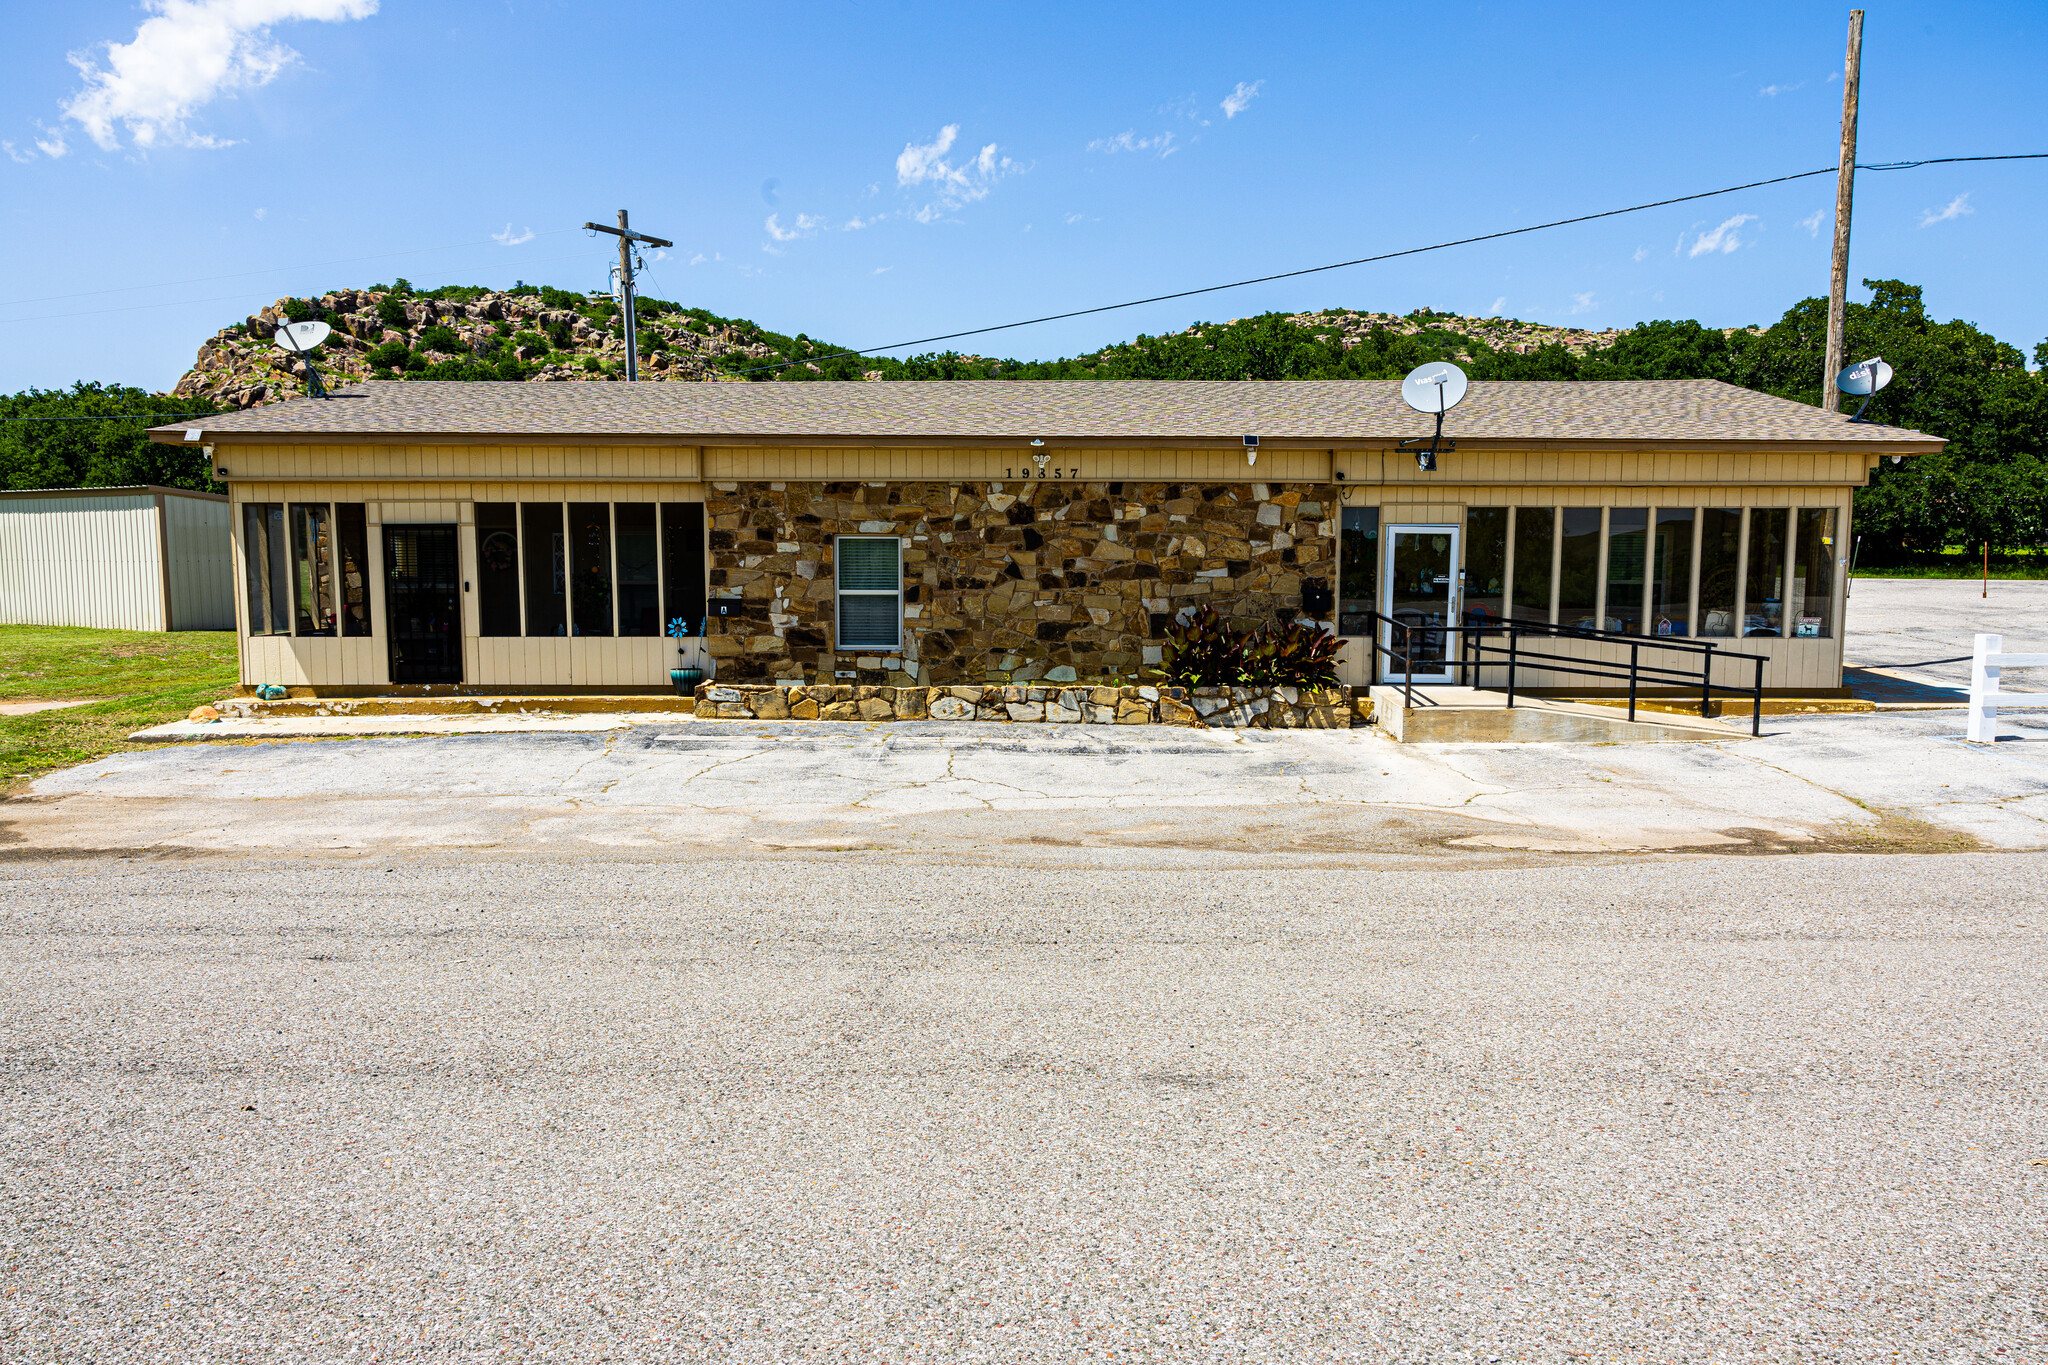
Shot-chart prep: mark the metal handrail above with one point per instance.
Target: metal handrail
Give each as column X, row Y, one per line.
column 1472, row 648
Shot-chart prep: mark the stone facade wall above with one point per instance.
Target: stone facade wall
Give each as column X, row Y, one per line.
column 1265, row 708
column 1008, row 582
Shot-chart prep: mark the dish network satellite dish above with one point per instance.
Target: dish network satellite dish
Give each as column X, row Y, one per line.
column 299, row 339
column 1434, row 388
column 1864, row 379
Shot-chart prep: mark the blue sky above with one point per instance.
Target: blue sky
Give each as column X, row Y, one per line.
column 882, row 171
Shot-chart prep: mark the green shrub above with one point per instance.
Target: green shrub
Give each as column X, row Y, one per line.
column 551, row 297
column 440, row 337
column 561, row 336
column 298, row 310
column 1291, row 654
column 534, row 339
column 590, row 363
column 391, row 311
column 391, row 355
column 1201, row 651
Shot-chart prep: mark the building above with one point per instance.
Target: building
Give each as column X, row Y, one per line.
column 509, row 537
column 129, row 558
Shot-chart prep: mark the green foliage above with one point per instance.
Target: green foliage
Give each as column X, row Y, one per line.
column 97, row 453
column 391, row 311
column 389, row 355
column 1202, row 651
column 1294, row 653
column 299, row 310
column 550, row 297
column 561, row 336
column 533, row 339
column 458, row 293
column 440, row 337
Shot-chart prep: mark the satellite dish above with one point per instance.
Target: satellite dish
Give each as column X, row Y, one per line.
column 1434, row 388
column 1864, row 378
column 300, row 337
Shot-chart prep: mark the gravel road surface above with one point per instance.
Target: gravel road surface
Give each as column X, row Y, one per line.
column 862, row 1106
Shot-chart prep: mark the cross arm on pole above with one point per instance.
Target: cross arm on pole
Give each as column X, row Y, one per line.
column 629, row 234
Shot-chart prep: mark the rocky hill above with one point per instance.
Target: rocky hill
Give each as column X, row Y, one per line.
column 550, row 335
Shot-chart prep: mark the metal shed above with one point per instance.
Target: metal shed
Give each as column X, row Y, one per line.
column 139, row 557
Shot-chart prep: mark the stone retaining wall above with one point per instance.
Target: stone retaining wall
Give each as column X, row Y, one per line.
column 1278, row 708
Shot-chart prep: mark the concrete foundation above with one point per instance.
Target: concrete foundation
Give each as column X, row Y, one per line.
column 1465, row 715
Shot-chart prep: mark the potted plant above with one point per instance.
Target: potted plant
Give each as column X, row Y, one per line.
column 684, row 680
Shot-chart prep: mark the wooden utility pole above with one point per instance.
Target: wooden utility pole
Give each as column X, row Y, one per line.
column 1845, row 193
column 626, row 238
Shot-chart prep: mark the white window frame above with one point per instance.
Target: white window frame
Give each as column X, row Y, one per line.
column 840, row 593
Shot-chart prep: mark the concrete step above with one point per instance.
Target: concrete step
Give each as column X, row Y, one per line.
column 1469, row 715
column 250, row 708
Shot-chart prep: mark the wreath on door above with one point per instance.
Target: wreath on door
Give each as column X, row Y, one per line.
column 500, row 551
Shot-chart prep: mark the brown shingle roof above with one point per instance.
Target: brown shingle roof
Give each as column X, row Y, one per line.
column 1006, row 411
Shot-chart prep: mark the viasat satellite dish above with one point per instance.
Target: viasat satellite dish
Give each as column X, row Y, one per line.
column 1434, row 388
column 299, row 339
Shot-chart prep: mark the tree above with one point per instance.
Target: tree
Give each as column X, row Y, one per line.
column 97, row 452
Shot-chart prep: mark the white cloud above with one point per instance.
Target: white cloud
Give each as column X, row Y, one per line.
column 8, row 148
column 509, row 238
column 1773, row 91
column 699, row 259
column 1129, row 141
column 881, row 270
column 1957, row 207
column 1583, row 303
column 1724, row 238
column 926, row 164
column 1642, row 254
column 1812, row 222
column 261, row 214
column 804, row 226
column 1234, row 103
column 51, row 141
column 187, row 54
column 1498, row 304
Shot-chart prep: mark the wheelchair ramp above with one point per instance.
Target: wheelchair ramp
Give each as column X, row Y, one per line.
column 1469, row 715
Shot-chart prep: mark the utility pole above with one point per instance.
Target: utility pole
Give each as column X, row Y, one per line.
column 1845, row 192
column 626, row 238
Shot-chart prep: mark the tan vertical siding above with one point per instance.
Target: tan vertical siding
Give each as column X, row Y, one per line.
column 93, row 559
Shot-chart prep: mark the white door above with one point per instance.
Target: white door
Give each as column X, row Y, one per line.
column 1419, row 590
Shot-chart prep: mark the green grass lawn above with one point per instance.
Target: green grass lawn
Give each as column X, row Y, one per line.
column 135, row 679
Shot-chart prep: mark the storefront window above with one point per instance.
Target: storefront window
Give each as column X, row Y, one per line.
column 1486, row 565
column 1358, row 582
column 1628, row 534
column 1671, row 571
column 266, row 561
column 1535, row 530
column 497, row 568
column 547, row 609
column 352, row 533
column 682, row 553
column 639, row 591
column 1578, row 568
column 1763, row 610
column 1813, row 574
column 1720, row 560
column 590, row 568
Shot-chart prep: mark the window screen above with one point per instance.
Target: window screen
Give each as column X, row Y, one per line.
column 682, row 565
column 547, row 568
column 590, row 567
column 1535, row 533
column 870, row 580
column 1627, row 543
column 1763, row 607
column 1578, row 567
column 1813, row 574
column 1486, row 564
column 353, row 533
column 1358, row 580
column 639, row 587
column 1720, row 559
column 312, row 569
column 266, row 565
column 497, row 568
column 1671, row 571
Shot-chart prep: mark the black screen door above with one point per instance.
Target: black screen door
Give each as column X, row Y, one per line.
column 423, row 604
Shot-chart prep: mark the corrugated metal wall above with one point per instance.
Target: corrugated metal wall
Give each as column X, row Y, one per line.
column 84, row 560
column 202, row 564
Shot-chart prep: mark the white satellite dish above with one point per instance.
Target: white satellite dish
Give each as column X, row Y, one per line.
column 1435, row 388
column 301, row 337
column 1864, row 379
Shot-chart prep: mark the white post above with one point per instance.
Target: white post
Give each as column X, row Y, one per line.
column 1984, row 673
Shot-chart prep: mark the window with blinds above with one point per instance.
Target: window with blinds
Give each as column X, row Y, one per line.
column 869, row 573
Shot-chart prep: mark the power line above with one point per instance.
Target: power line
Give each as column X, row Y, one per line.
column 268, row 270
column 1367, row 260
